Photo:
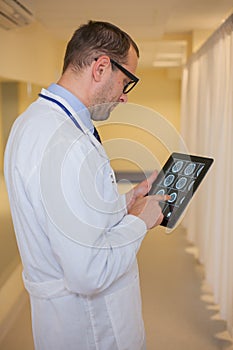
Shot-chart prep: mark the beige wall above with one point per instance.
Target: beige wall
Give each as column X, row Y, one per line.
column 31, row 57
column 9, row 107
column 30, row 54
column 159, row 91
column 27, row 93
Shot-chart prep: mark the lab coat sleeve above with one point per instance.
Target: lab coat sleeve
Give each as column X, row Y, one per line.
column 93, row 238
column 88, row 270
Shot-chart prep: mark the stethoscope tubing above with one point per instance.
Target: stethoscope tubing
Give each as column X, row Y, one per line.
column 66, row 110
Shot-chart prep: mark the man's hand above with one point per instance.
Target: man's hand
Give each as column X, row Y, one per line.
column 146, row 208
column 149, row 210
column 140, row 190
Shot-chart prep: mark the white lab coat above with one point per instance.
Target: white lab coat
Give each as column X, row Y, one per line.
column 77, row 243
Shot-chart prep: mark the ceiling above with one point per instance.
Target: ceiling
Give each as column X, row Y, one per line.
column 147, row 21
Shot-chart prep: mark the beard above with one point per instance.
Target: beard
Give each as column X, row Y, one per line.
column 104, row 102
column 102, row 111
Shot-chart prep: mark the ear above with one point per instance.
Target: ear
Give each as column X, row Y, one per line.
column 100, row 67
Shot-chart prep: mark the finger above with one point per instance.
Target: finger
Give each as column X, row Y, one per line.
column 160, row 197
column 146, row 184
column 144, row 187
column 152, row 178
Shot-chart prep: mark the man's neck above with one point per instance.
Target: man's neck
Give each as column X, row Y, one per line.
column 76, row 84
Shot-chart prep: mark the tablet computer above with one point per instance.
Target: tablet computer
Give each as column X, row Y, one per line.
column 180, row 178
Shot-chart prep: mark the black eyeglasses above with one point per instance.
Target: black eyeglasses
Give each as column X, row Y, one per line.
column 134, row 80
column 130, row 85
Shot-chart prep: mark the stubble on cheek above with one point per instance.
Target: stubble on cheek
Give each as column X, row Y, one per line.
column 103, row 103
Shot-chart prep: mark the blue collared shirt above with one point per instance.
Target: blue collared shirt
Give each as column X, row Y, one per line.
column 75, row 103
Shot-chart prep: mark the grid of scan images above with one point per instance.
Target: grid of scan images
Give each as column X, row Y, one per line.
column 178, row 182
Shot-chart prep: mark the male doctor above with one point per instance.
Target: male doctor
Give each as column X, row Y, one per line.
column 77, row 237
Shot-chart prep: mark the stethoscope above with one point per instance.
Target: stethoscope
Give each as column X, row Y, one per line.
column 70, row 115
column 66, row 110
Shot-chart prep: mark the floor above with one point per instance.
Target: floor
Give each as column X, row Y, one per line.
column 179, row 312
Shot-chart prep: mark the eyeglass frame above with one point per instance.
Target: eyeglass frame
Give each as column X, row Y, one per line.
column 130, row 75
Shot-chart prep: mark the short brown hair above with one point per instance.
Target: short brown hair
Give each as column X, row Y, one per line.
column 95, row 38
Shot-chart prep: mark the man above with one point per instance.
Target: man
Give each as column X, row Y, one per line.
column 78, row 238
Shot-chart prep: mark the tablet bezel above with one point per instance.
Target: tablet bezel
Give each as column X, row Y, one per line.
column 178, row 211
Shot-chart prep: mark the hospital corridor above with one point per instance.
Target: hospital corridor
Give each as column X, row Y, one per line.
column 100, row 99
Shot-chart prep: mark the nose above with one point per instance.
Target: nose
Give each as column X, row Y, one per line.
column 123, row 98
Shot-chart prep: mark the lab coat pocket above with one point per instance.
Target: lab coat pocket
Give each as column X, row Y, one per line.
column 124, row 309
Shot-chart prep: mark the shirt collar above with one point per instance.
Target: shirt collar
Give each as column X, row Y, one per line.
column 75, row 103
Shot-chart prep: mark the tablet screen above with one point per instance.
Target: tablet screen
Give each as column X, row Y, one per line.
column 180, row 178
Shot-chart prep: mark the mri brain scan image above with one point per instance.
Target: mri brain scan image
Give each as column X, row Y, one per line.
column 177, row 166
column 169, row 180
column 190, row 169
column 181, row 183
